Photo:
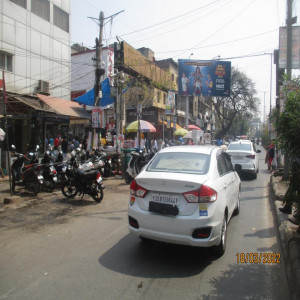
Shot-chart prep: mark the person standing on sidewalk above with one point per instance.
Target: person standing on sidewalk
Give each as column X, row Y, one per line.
column 64, row 146
column 270, row 155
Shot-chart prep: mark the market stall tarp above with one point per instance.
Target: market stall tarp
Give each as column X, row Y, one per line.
column 144, row 126
column 89, row 97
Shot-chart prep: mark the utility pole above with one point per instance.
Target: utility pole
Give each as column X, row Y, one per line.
column 98, row 72
column 289, row 22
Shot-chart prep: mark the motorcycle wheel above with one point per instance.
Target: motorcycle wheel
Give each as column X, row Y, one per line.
column 128, row 178
column 69, row 189
column 97, row 192
column 116, row 167
column 107, row 171
column 36, row 188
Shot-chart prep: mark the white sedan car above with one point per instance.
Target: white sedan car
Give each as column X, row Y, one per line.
column 186, row 195
column 243, row 152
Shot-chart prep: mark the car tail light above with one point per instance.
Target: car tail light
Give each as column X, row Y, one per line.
column 54, row 172
column 252, row 156
column 204, row 195
column 137, row 190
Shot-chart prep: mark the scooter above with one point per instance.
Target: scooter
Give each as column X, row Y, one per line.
column 30, row 176
column 136, row 163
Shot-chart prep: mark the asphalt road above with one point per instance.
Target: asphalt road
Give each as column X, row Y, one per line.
column 82, row 250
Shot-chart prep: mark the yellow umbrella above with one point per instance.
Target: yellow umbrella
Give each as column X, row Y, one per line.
column 180, row 131
column 144, row 126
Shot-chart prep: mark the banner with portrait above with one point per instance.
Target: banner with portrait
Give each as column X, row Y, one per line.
column 170, row 105
column 204, row 77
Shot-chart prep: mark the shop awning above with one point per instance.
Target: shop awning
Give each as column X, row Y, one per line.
column 65, row 107
column 23, row 105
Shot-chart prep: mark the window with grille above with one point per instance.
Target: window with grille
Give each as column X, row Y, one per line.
column 60, row 18
column 6, row 61
column 41, row 8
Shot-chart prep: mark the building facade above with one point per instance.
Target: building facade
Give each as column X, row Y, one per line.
column 35, row 48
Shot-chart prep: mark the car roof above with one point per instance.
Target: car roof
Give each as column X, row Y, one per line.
column 190, row 149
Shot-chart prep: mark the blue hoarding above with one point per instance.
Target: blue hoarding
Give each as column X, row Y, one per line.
column 204, row 77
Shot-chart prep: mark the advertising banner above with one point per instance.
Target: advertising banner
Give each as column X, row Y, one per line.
column 97, row 118
column 204, row 77
column 170, row 105
column 295, row 47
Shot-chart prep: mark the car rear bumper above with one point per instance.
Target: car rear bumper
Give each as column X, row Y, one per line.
column 175, row 229
column 247, row 167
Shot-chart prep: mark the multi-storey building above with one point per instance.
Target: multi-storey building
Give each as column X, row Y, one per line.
column 35, row 46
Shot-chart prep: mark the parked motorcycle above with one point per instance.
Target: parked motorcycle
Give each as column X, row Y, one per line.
column 30, row 175
column 136, row 163
column 82, row 183
column 49, row 172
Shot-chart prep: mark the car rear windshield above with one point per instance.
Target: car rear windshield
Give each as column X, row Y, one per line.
column 241, row 146
column 180, row 162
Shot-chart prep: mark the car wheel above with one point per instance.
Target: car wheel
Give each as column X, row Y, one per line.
column 220, row 249
column 254, row 175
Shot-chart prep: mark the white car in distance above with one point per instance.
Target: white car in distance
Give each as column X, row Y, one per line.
column 244, row 153
column 186, row 195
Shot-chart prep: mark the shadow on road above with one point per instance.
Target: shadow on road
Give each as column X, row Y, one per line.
column 151, row 259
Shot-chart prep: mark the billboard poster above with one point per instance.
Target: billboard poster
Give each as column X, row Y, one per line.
column 295, row 47
column 204, row 77
column 97, row 118
column 170, row 105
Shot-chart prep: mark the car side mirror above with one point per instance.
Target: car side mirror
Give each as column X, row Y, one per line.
column 258, row 151
column 238, row 168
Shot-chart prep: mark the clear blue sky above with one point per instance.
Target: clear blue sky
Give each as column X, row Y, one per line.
column 176, row 29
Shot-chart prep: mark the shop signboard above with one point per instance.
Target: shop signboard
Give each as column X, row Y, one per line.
column 204, row 77
column 148, row 114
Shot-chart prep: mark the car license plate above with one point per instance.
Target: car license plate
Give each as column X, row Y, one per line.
column 238, row 158
column 166, row 199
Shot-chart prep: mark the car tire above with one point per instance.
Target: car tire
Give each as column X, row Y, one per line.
column 220, row 249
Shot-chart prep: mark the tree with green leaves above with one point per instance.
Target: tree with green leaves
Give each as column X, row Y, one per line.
column 241, row 102
column 288, row 129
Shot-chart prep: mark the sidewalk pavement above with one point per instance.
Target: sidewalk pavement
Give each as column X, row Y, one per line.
column 289, row 237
